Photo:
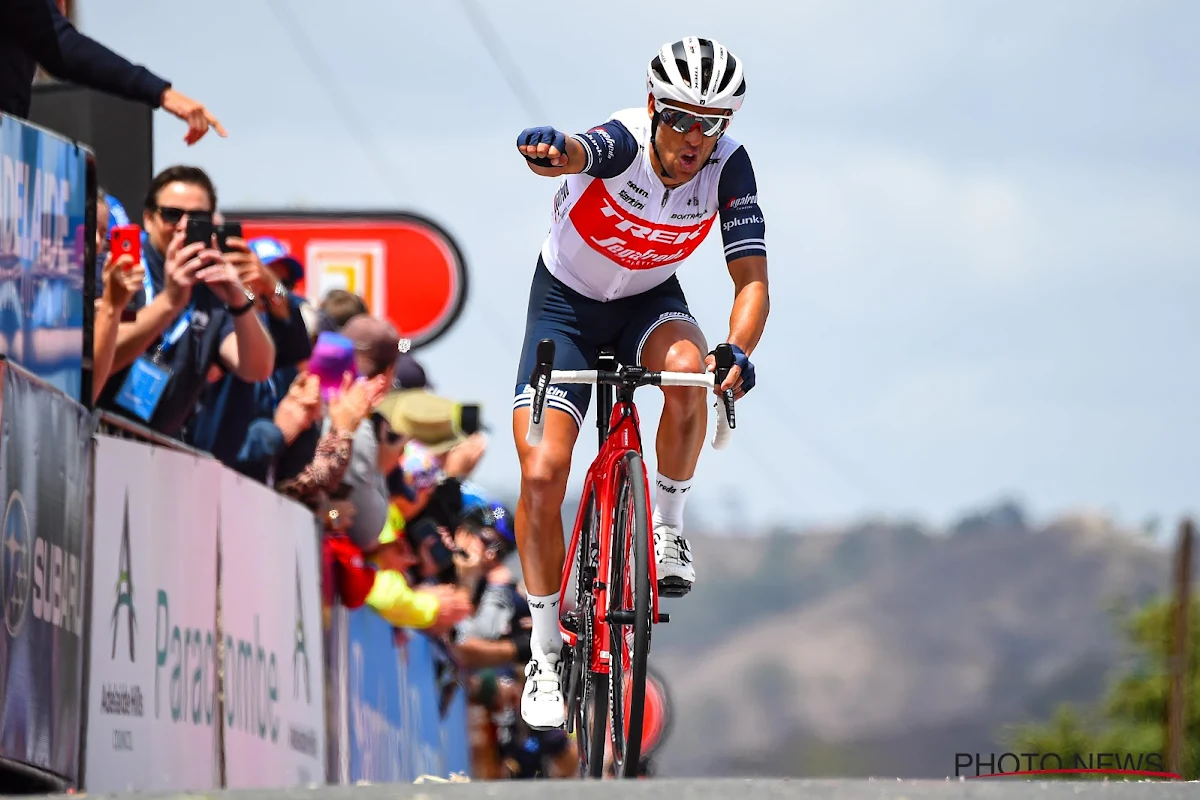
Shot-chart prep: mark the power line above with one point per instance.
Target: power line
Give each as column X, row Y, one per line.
column 355, row 125
column 499, row 55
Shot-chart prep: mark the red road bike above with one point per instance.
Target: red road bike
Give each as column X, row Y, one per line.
column 607, row 634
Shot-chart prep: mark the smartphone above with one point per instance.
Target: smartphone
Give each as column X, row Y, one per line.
column 443, row 557
column 226, row 230
column 126, row 239
column 470, row 418
column 199, row 229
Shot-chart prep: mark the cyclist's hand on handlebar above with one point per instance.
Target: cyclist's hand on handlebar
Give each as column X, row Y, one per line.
column 547, row 145
column 740, row 378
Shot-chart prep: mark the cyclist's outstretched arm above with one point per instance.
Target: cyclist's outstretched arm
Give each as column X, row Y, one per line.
column 605, row 151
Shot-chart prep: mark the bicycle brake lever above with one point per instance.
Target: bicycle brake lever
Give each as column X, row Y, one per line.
column 723, row 354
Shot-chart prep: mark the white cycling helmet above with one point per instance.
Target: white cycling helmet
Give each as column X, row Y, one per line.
column 700, row 72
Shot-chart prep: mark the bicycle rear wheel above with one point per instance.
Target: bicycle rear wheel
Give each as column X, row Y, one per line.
column 629, row 638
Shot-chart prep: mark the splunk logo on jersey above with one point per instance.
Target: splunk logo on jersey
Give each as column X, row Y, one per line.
column 743, row 201
column 736, row 222
column 629, row 240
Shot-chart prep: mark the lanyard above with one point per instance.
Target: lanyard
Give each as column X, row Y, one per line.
column 172, row 336
column 147, row 284
column 181, row 324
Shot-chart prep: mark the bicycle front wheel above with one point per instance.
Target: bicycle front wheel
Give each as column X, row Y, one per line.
column 629, row 593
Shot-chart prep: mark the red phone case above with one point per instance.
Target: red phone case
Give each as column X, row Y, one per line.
column 126, row 239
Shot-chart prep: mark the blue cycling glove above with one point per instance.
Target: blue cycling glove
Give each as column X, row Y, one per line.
column 544, row 134
column 742, row 362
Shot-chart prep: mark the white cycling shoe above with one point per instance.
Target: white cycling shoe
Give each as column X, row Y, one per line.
column 673, row 558
column 542, row 705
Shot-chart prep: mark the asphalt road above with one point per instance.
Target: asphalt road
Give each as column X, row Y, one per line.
column 982, row 789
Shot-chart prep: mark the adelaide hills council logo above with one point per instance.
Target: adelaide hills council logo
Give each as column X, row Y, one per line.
column 124, row 589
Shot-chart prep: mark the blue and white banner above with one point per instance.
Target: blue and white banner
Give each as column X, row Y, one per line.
column 396, row 731
column 43, row 199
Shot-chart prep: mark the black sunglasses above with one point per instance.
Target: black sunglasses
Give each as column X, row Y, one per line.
column 383, row 429
column 171, row 215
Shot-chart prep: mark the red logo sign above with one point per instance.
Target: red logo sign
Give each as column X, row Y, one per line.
column 631, row 241
column 405, row 267
column 656, row 716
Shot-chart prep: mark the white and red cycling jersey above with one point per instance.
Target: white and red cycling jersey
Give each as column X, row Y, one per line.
column 617, row 231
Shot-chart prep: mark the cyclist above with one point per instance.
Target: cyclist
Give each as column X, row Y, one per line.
column 636, row 197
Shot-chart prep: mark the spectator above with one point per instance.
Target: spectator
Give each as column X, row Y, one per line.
column 435, row 421
column 495, row 635
column 287, row 271
column 420, row 468
column 339, row 307
column 286, row 268
column 384, row 587
column 120, row 280
column 319, row 477
column 229, row 406
column 454, row 430
column 376, row 446
column 192, row 314
column 35, row 31
column 410, row 374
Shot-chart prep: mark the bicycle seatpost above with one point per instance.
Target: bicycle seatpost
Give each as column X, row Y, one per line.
column 539, row 380
column 724, row 358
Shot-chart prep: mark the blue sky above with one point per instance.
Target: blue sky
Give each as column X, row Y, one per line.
column 981, row 220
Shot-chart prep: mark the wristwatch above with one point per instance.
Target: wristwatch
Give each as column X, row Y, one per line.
column 237, row 312
column 280, row 295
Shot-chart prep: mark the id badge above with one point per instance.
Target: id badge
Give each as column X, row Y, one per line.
column 143, row 388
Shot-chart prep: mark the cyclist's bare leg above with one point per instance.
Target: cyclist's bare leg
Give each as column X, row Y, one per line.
column 676, row 346
column 544, row 470
column 539, row 531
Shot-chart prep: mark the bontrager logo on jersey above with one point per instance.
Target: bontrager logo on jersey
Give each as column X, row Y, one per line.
column 629, row 240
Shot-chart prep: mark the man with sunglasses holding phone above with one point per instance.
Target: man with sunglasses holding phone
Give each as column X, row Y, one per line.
column 192, row 313
column 636, row 196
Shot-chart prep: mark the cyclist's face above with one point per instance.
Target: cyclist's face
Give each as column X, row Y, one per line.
column 683, row 154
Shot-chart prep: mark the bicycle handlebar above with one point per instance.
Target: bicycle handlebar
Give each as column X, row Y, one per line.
column 543, row 376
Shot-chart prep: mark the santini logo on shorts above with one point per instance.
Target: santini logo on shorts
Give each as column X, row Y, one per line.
column 630, row 241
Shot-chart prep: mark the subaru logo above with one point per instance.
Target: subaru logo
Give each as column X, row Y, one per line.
column 17, row 552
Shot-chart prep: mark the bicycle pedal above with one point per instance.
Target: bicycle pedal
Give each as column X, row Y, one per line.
column 664, row 617
column 673, row 587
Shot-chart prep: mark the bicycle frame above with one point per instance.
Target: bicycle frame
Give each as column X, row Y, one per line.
column 622, row 434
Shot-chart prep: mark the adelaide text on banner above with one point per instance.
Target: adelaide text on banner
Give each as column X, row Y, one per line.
column 43, row 241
